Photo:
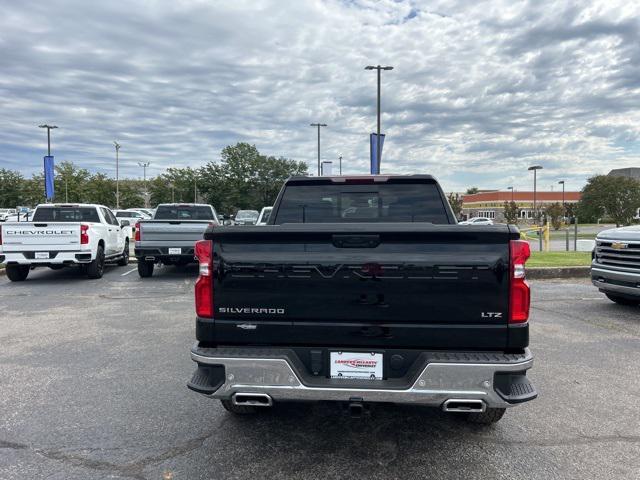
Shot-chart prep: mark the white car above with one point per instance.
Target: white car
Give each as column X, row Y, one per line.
column 63, row 235
column 6, row 212
column 146, row 211
column 132, row 216
column 265, row 213
column 477, row 221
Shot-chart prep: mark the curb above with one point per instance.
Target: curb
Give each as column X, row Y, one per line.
column 545, row 273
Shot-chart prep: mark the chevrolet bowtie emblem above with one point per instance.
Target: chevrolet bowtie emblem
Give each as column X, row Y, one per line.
column 619, row 245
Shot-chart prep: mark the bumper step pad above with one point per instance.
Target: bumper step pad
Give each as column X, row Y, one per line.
column 207, row 379
column 514, row 387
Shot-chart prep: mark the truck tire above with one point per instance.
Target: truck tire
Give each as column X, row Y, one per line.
column 124, row 261
column 622, row 300
column 17, row 273
column 145, row 269
column 237, row 409
column 95, row 269
column 489, row 416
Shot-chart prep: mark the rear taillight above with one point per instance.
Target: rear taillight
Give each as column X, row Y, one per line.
column 138, row 236
column 84, row 234
column 520, row 295
column 204, row 284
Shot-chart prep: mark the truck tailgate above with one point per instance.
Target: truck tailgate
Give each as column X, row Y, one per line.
column 373, row 285
column 29, row 236
column 171, row 232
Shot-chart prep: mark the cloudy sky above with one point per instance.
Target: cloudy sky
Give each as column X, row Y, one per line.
column 480, row 90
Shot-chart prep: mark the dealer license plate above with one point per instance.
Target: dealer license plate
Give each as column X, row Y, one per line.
column 175, row 251
column 42, row 255
column 362, row 365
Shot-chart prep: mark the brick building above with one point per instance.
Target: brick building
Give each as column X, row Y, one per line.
column 491, row 204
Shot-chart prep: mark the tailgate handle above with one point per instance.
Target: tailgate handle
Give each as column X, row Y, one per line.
column 356, row 241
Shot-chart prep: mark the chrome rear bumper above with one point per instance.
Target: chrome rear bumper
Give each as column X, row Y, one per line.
column 436, row 384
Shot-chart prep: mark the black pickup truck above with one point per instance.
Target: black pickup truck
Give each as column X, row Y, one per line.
column 363, row 290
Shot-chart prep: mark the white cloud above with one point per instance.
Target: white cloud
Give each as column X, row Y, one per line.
column 480, row 90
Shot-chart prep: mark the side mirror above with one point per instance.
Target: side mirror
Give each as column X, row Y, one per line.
column 125, row 223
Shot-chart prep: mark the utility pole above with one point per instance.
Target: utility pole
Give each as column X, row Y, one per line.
column 535, row 169
column 146, row 190
column 117, row 145
column 340, row 158
column 318, row 125
column 49, row 128
column 379, row 69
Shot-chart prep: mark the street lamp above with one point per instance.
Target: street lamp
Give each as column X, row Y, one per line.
column 117, row 145
column 561, row 182
column 146, row 190
column 511, row 188
column 379, row 69
column 318, row 125
column 49, row 128
column 535, row 169
column 340, row 158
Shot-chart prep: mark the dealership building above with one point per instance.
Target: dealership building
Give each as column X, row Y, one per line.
column 490, row 204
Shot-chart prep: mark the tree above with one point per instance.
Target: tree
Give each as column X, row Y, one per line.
column 511, row 212
column 472, row 190
column 101, row 190
column 455, row 201
column 71, row 183
column 11, row 188
column 615, row 197
column 245, row 179
column 554, row 213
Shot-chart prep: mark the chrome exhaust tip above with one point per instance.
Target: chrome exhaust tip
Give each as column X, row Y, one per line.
column 464, row 406
column 252, row 399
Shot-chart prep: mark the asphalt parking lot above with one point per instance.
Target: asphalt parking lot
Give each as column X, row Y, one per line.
column 92, row 376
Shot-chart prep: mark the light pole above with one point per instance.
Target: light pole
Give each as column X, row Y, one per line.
column 561, row 182
column 66, row 191
column 379, row 69
column 49, row 128
column 117, row 145
column 535, row 169
column 195, row 190
column 340, row 158
column 318, row 125
column 511, row 188
column 146, row 192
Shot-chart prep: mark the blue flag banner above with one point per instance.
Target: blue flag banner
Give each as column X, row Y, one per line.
column 48, row 177
column 373, row 144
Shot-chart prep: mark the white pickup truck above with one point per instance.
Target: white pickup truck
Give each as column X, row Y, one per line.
column 62, row 235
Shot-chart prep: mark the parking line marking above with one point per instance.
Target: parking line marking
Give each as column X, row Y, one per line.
column 127, row 273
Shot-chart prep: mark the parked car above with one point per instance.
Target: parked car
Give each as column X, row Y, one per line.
column 477, row 221
column 6, row 212
column 265, row 213
column 393, row 303
column 615, row 268
column 246, row 217
column 131, row 215
column 19, row 217
column 63, row 235
column 148, row 212
column 170, row 236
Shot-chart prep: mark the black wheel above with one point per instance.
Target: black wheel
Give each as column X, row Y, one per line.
column 622, row 300
column 95, row 269
column 145, row 269
column 237, row 409
column 489, row 416
column 17, row 273
column 124, row 261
